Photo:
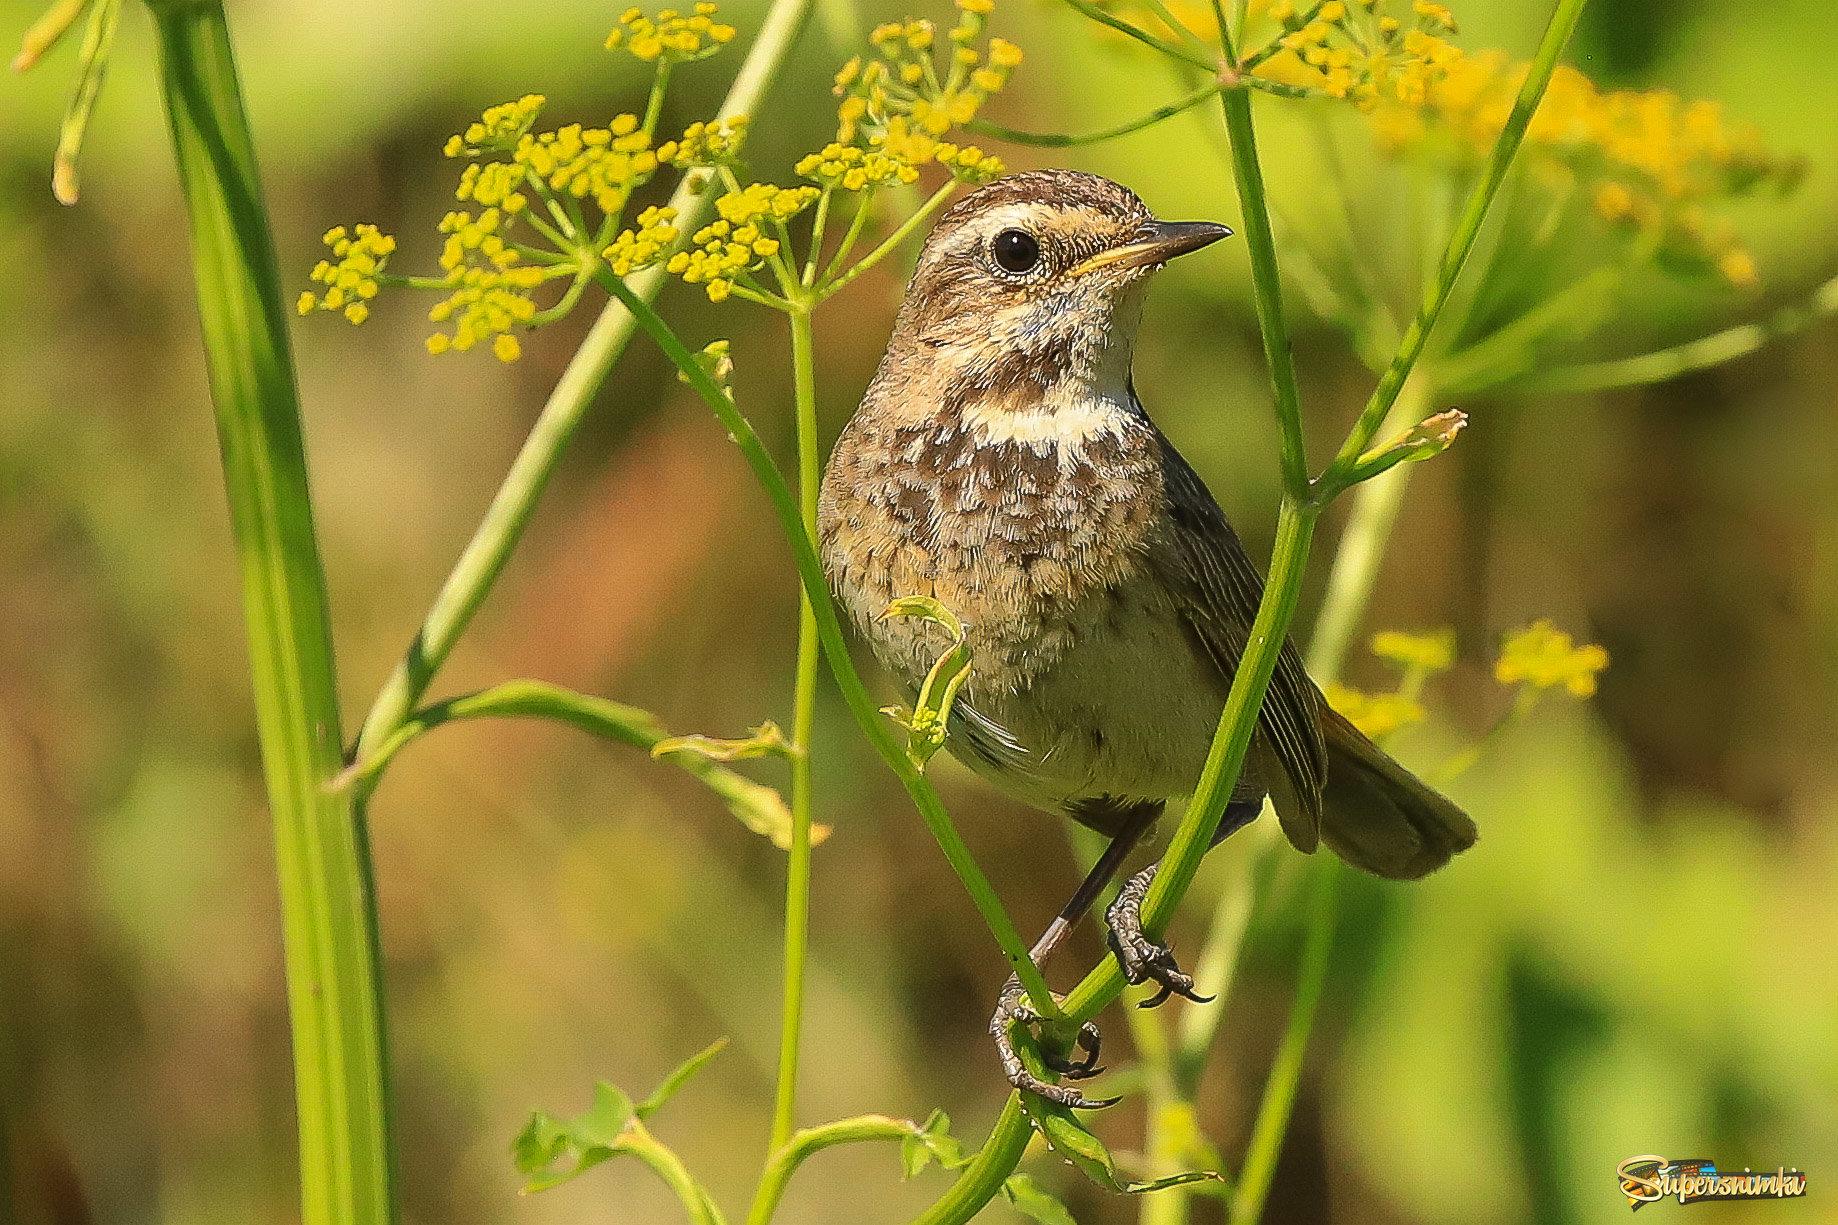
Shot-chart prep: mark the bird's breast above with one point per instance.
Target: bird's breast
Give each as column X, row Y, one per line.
column 1021, row 519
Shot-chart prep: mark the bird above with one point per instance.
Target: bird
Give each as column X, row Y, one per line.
column 1001, row 463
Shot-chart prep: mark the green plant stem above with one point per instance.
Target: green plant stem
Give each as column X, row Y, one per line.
column 1172, row 50
column 835, row 649
column 638, row 1141
column 1286, row 1072
column 1699, row 354
column 1267, row 286
column 800, row 1145
column 798, row 866
column 1455, row 254
column 982, row 1179
column 328, row 900
column 891, row 243
column 1061, row 140
column 756, row 805
column 1362, row 547
column 484, row 556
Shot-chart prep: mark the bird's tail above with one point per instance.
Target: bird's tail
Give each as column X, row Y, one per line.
column 1380, row 817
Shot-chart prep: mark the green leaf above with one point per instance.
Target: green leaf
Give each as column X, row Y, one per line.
column 1068, row 1136
column 543, row 1139
column 1032, row 1202
column 926, row 608
column 926, row 721
column 680, row 1077
column 593, row 1136
column 932, row 1141
column 766, row 741
column 602, row 1122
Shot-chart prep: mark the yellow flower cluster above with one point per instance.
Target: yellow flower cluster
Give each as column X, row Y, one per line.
column 1375, row 714
column 491, row 288
column 728, row 248
column 643, row 244
column 498, row 129
column 1544, row 657
column 604, row 163
column 715, row 143
column 672, row 36
column 1430, row 654
column 350, row 277
column 851, row 168
column 904, row 101
column 494, row 185
column 1360, row 51
column 1648, row 161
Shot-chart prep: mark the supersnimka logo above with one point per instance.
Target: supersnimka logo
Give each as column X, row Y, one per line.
column 1649, row 1178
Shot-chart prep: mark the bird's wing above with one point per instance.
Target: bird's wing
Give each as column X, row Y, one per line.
column 1218, row 588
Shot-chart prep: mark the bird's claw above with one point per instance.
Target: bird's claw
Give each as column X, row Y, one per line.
column 1014, row 1008
column 1142, row 959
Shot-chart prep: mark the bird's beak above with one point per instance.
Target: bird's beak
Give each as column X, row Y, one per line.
column 1157, row 243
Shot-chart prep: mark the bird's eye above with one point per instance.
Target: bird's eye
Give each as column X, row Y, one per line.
column 1015, row 250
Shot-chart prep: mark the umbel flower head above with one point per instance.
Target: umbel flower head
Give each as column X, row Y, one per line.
column 673, row 36
column 351, row 276
column 915, row 89
column 1649, row 164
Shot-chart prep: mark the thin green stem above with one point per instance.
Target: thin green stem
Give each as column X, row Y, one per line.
column 1699, row 354
column 322, row 851
column 891, row 243
column 1060, row 140
column 1267, row 286
column 1362, row 547
column 1455, row 255
column 638, row 1141
column 1217, row 964
column 982, row 1179
column 1179, row 28
column 818, row 224
column 856, row 224
column 1295, row 525
column 483, row 559
column 1172, row 50
column 654, row 105
column 756, row 805
column 1286, row 1072
column 798, row 867
column 801, row 1145
column 835, row 648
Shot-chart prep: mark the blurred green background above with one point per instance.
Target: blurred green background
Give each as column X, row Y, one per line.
column 1639, row 956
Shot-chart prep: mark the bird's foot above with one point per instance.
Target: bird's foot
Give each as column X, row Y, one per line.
column 1142, row 959
column 1013, row 1008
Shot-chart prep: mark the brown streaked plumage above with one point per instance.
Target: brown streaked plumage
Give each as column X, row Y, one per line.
column 1001, row 462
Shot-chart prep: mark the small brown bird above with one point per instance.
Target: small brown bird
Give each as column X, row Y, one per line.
column 1001, row 463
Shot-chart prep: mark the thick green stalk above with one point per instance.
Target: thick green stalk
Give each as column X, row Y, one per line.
column 798, row 868
column 502, row 527
column 861, row 704
column 1267, row 287
column 982, row 1179
column 328, row 904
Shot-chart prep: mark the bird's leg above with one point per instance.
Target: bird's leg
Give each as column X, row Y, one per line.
column 1143, row 959
column 1013, row 1006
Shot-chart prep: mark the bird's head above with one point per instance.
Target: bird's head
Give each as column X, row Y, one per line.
column 1037, row 279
